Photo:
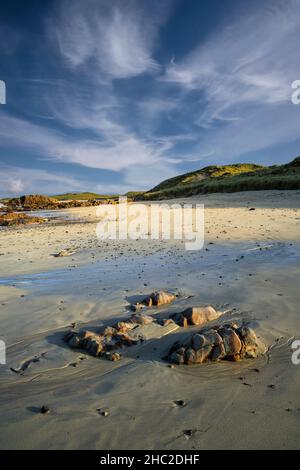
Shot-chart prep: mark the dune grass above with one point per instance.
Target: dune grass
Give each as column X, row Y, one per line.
column 228, row 178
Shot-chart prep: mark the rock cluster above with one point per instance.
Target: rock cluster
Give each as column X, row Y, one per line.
column 12, row 218
column 39, row 202
column 228, row 342
column 155, row 299
column 105, row 343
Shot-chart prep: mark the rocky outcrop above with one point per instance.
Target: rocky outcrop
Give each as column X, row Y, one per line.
column 40, row 202
column 32, row 203
column 12, row 218
column 226, row 342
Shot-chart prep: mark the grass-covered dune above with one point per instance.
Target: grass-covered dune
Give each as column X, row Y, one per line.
column 227, row 178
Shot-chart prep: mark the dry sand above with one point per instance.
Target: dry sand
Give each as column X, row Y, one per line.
column 248, row 267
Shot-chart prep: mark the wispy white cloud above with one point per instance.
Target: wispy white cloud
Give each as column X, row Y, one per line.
column 115, row 39
column 229, row 96
column 249, row 62
column 116, row 152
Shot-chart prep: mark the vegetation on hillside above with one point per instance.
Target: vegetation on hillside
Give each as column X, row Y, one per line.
column 86, row 196
column 134, row 194
column 228, row 178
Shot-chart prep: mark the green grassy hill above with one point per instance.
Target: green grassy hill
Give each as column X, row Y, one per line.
column 227, row 178
column 82, row 196
column 134, row 194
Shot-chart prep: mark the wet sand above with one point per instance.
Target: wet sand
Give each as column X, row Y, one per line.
column 248, row 267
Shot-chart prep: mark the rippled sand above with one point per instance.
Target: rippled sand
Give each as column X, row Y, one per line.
column 248, row 267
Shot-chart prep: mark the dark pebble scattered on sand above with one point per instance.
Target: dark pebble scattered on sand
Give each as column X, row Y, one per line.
column 179, row 403
column 45, row 409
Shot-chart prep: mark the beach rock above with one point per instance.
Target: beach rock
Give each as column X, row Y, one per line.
column 178, row 318
column 231, row 341
column 177, row 357
column 111, row 356
column 218, row 352
column 148, row 301
column 251, row 346
column 64, row 253
column 86, row 334
column 156, row 298
column 109, row 331
column 232, row 325
column 199, row 341
column 162, row 298
column 196, row 316
column 199, row 356
column 122, row 340
column 123, row 327
column 247, row 335
column 213, row 336
column 136, row 307
column 200, row 315
column 167, row 321
column 141, row 319
column 209, row 339
column 94, row 347
column 221, row 342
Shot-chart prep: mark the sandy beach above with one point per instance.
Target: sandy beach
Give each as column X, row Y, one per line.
column 249, row 267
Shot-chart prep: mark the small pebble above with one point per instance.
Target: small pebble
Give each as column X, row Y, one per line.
column 103, row 412
column 45, row 409
column 179, row 403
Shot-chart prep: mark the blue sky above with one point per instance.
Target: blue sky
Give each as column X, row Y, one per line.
column 116, row 95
